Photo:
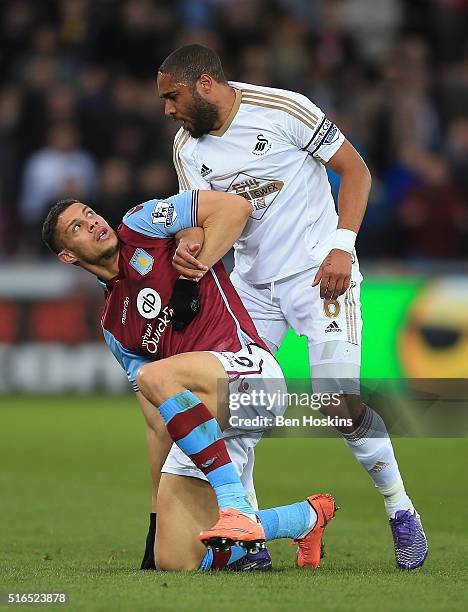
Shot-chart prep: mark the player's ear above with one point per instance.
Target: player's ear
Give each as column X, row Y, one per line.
column 66, row 257
column 204, row 84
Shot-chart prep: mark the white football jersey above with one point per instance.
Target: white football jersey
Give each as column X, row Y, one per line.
column 271, row 151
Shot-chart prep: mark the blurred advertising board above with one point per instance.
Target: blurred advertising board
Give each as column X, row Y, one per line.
column 50, row 334
column 414, row 327
column 51, row 340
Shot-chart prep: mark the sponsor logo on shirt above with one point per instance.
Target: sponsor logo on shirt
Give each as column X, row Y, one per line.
column 125, row 308
column 260, row 192
column 262, row 146
column 333, row 327
column 154, row 331
column 148, row 303
column 164, row 213
column 142, row 261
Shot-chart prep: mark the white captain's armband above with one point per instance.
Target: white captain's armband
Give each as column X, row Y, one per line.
column 326, row 141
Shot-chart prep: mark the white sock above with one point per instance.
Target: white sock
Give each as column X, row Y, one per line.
column 312, row 522
column 396, row 498
column 372, row 447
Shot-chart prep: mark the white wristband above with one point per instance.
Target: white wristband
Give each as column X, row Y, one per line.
column 344, row 240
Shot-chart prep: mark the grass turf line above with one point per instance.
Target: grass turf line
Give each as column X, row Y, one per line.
column 74, row 507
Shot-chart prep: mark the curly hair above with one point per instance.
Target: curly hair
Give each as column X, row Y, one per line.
column 186, row 64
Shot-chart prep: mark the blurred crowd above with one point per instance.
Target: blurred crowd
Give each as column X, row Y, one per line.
column 80, row 116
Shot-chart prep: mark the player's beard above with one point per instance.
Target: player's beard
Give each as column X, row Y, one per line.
column 203, row 116
column 103, row 258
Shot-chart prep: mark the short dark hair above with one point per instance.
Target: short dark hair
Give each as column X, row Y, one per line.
column 49, row 227
column 186, row 64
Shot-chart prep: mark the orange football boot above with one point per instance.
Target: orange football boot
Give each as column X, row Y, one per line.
column 310, row 547
column 234, row 527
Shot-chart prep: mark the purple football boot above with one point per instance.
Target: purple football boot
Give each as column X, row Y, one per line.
column 251, row 562
column 409, row 539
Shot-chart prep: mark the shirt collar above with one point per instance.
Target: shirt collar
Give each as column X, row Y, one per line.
column 230, row 118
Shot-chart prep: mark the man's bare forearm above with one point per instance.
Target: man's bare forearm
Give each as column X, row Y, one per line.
column 223, row 225
column 334, row 274
column 158, row 449
column 195, row 235
column 159, row 444
column 352, row 199
column 222, row 217
column 355, row 184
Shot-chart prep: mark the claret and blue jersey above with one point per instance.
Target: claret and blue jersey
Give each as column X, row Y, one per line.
column 137, row 317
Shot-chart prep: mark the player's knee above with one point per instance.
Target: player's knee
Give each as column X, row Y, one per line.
column 169, row 562
column 170, row 566
column 143, row 378
column 150, row 380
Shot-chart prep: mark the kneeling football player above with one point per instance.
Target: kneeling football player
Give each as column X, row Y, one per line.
column 184, row 358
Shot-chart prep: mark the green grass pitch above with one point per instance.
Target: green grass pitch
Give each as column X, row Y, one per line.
column 74, row 504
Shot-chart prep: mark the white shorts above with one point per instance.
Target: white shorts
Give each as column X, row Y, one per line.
column 332, row 327
column 252, row 372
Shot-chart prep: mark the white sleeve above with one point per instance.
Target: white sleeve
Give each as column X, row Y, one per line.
column 187, row 174
column 306, row 126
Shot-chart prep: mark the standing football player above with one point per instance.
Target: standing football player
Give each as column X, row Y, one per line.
column 295, row 262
